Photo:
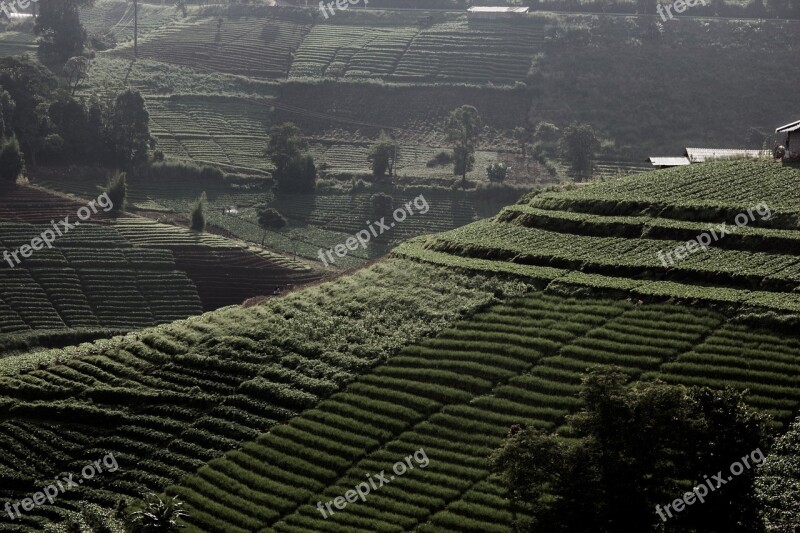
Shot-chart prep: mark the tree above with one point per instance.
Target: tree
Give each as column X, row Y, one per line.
column 198, row 214
column 778, row 483
column 76, row 69
column 70, row 121
column 497, row 172
column 117, row 190
column 31, row 86
column 630, row 449
column 12, row 163
column 270, row 219
column 59, row 26
column 294, row 168
column 130, row 130
column 463, row 131
column 382, row 155
column 158, row 516
column 578, row 144
column 545, row 139
column 8, row 108
column 521, row 136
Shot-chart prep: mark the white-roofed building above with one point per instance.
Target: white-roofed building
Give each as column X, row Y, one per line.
column 792, row 131
column 666, row 162
column 495, row 12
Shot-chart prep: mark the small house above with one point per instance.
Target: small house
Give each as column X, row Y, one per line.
column 792, row 132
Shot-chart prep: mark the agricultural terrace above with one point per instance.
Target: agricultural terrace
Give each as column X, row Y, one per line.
column 608, row 235
column 457, row 51
column 252, row 415
column 167, row 400
column 118, row 275
column 316, row 221
column 260, row 47
column 111, row 21
column 456, row 395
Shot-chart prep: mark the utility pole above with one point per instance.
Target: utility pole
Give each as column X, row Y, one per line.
column 135, row 28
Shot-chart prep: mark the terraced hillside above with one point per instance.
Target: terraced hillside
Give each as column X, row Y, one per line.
column 521, row 362
column 617, row 235
column 116, row 275
column 316, row 221
column 455, row 396
column 166, row 400
column 254, row 415
column 260, row 47
column 458, row 51
column 114, row 19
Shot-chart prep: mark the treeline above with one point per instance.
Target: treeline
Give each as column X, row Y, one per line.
column 54, row 128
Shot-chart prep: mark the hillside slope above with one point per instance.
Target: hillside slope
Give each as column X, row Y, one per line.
column 254, row 415
column 112, row 275
column 521, row 362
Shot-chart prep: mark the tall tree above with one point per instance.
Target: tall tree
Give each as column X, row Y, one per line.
column 578, row 144
column 59, row 26
column 463, row 132
column 521, row 136
column 8, row 108
column 130, row 130
column 294, row 168
column 70, row 121
column 31, row 86
column 632, row 448
column 270, row 219
column 382, row 155
column 76, row 69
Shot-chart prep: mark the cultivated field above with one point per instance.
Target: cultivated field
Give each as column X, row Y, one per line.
column 253, row 415
column 113, row 275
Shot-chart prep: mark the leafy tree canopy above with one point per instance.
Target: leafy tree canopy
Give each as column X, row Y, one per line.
column 631, row 448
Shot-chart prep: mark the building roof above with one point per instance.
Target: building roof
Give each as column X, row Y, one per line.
column 699, row 155
column 794, row 126
column 497, row 9
column 669, row 161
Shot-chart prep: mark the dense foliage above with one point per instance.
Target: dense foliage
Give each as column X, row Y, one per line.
column 294, row 167
column 630, row 450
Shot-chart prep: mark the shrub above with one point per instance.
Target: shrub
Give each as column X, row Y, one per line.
column 441, row 159
column 497, row 172
column 117, row 190
column 198, row 216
